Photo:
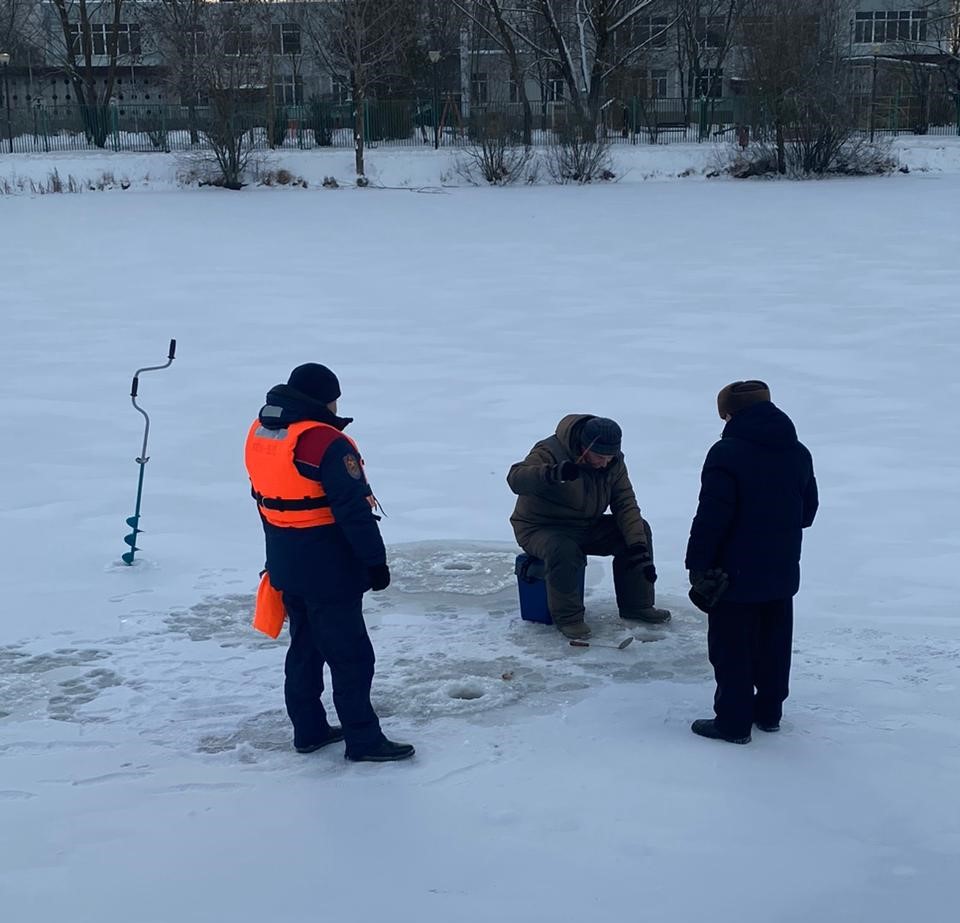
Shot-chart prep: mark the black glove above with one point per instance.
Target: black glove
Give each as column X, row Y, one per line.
column 379, row 577
column 706, row 588
column 564, row 471
column 640, row 557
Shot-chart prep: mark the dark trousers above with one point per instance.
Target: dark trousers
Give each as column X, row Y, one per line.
column 334, row 634
column 750, row 646
column 564, row 553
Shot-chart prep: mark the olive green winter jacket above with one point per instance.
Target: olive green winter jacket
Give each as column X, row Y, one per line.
column 572, row 505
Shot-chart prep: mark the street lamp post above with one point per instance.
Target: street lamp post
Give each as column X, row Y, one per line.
column 5, row 64
column 435, row 61
column 873, row 96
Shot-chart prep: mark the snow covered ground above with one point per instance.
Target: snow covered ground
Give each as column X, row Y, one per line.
column 414, row 169
column 145, row 768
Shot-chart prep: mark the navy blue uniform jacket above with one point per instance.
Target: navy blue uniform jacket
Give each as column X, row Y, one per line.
column 758, row 492
column 328, row 563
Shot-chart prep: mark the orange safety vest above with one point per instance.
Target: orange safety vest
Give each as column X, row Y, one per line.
column 284, row 496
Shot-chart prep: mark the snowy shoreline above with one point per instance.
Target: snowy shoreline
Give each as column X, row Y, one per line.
column 405, row 169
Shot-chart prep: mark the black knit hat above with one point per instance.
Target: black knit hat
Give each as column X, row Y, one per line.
column 740, row 394
column 316, row 381
column 601, row 436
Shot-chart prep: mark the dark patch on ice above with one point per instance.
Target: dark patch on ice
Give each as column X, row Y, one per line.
column 267, row 730
column 14, row 661
column 78, row 691
column 226, row 619
column 452, row 568
column 467, row 693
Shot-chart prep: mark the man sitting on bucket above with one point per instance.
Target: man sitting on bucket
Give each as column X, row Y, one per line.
column 564, row 488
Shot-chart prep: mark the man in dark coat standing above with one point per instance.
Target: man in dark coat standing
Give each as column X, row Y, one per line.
column 758, row 492
column 564, row 487
column 324, row 551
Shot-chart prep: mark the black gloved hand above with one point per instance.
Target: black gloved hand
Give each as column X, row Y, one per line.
column 706, row 588
column 640, row 557
column 379, row 577
column 562, row 472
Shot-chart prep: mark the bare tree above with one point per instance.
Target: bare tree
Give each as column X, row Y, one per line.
column 928, row 47
column 360, row 40
column 439, row 24
column 18, row 27
column 778, row 40
column 800, row 76
column 231, row 79
column 705, row 33
column 580, row 39
column 278, row 24
column 217, row 55
column 91, row 29
column 491, row 19
column 949, row 25
column 494, row 153
column 180, row 27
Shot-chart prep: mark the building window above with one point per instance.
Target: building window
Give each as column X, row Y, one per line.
column 657, row 83
column 556, row 88
column 711, row 31
column 197, row 100
column 196, row 40
column 131, row 39
column 479, row 89
column 342, row 91
column 884, row 26
column 285, row 38
column 651, row 30
column 288, row 91
column 709, row 82
column 238, row 40
column 101, row 38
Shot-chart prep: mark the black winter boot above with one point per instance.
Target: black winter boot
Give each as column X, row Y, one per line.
column 384, row 752
column 334, row 734
column 707, row 727
column 576, row 631
column 651, row 615
column 769, row 728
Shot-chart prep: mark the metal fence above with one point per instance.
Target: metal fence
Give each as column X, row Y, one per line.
column 396, row 123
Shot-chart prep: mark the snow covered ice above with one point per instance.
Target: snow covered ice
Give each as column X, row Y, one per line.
column 146, row 772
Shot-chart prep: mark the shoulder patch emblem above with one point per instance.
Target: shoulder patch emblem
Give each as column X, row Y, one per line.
column 351, row 463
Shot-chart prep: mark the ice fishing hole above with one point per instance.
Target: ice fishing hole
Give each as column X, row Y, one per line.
column 466, row 693
column 453, row 565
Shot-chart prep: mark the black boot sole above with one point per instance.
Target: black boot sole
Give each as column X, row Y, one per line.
column 643, row 621
column 380, row 759
column 712, row 735
column 312, row 748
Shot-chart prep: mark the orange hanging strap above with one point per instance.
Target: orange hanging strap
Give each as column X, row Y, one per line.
column 269, row 615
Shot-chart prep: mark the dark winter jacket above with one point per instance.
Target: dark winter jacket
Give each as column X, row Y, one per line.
column 758, row 492
column 573, row 505
column 324, row 562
